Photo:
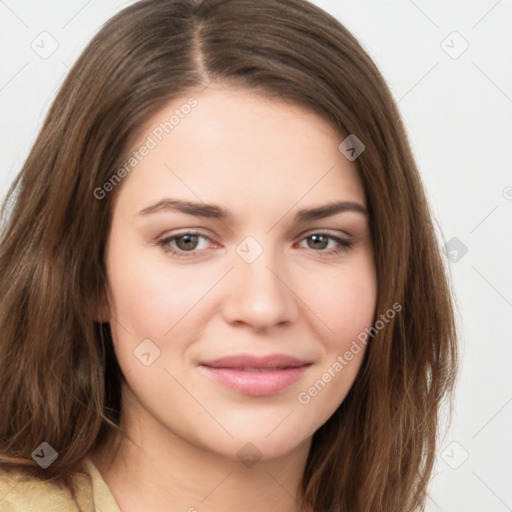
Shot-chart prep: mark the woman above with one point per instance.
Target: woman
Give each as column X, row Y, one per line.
column 221, row 286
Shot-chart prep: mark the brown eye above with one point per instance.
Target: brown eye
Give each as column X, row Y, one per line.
column 326, row 244
column 318, row 241
column 187, row 242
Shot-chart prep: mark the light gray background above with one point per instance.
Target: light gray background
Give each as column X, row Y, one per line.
column 457, row 105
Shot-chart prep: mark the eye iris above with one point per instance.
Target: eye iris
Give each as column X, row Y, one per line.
column 315, row 239
column 187, row 242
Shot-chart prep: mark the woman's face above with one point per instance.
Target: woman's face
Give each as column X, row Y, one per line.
column 221, row 246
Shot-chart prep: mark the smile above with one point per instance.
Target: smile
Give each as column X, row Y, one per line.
column 255, row 376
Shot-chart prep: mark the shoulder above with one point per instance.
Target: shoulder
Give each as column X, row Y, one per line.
column 21, row 492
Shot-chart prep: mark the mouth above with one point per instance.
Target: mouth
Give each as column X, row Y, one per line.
column 256, row 376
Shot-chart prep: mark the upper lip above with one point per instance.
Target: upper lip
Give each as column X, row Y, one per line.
column 252, row 361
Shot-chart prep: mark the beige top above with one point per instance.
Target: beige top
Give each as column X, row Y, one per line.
column 22, row 493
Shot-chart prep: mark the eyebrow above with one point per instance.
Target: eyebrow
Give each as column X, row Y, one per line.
column 217, row 212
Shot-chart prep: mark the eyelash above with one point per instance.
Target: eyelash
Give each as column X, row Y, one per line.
column 344, row 245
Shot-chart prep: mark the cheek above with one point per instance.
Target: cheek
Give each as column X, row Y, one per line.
column 153, row 300
column 345, row 305
column 344, row 300
column 149, row 297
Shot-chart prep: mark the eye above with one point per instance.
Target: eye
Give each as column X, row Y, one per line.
column 326, row 243
column 188, row 243
column 184, row 244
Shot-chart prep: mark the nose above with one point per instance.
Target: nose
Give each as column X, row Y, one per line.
column 259, row 294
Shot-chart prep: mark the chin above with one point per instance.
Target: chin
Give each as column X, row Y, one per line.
column 257, row 442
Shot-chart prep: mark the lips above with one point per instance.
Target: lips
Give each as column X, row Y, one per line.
column 256, row 375
column 251, row 362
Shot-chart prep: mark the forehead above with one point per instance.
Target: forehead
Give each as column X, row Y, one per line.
column 240, row 149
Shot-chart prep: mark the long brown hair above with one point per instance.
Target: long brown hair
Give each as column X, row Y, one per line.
column 59, row 379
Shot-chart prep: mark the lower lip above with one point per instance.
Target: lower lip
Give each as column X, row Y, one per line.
column 256, row 383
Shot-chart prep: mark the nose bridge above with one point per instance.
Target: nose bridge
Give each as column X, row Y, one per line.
column 259, row 295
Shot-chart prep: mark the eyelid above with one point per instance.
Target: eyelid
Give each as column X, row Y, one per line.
column 328, row 232
column 186, row 231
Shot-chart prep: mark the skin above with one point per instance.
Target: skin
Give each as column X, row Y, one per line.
column 263, row 160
